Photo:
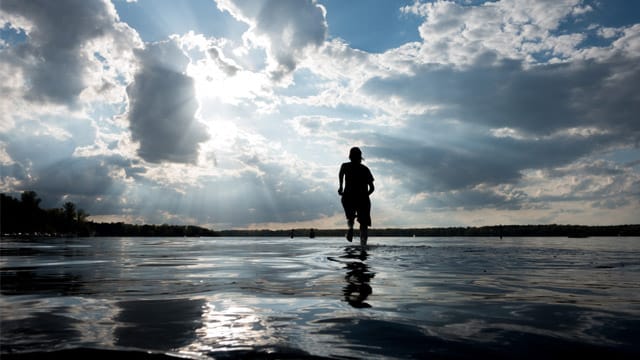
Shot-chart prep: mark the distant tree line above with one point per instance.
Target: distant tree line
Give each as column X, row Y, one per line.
column 517, row 230
column 122, row 229
column 485, row 231
column 24, row 218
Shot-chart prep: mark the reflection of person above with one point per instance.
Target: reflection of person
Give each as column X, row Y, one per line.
column 355, row 196
column 358, row 278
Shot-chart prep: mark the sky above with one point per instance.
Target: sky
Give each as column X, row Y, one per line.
column 235, row 114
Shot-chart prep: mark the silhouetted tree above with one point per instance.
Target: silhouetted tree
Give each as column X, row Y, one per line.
column 81, row 216
column 30, row 199
column 25, row 217
column 32, row 216
column 10, row 214
column 55, row 221
column 69, row 209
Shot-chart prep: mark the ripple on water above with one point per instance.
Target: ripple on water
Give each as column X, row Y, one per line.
column 398, row 298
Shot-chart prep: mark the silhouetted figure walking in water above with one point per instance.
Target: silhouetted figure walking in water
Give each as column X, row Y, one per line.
column 355, row 196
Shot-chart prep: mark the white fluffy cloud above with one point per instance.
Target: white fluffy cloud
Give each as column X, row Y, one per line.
column 70, row 47
column 286, row 29
column 459, row 34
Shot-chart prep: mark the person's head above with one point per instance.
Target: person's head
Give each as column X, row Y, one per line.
column 355, row 155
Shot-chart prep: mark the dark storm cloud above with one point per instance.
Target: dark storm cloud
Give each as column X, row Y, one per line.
column 484, row 160
column 539, row 100
column 53, row 59
column 80, row 176
column 162, row 106
column 429, row 168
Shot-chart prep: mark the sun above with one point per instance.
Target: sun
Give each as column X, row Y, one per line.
column 215, row 84
column 220, row 93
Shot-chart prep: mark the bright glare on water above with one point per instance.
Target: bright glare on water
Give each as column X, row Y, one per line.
column 324, row 297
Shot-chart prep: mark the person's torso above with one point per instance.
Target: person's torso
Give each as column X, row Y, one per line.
column 357, row 178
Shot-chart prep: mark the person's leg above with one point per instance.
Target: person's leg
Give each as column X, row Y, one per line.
column 364, row 235
column 350, row 213
column 364, row 218
column 350, row 230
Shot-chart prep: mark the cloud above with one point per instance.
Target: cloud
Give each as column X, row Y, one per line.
column 162, row 106
column 455, row 33
column 319, row 126
column 597, row 181
column 11, row 176
column 266, row 188
column 38, row 143
column 78, row 176
column 485, row 127
column 511, row 111
column 67, row 44
column 516, row 174
column 224, row 65
column 286, row 28
column 497, row 91
column 538, row 100
column 474, row 199
column 467, row 169
column 39, row 156
column 44, row 163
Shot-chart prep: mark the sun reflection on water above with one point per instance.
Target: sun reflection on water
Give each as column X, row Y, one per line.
column 229, row 327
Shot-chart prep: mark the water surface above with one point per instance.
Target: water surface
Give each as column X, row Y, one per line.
column 398, row 298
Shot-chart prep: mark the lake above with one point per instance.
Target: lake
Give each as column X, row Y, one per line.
column 237, row 297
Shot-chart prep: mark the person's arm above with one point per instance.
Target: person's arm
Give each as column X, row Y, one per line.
column 340, row 178
column 371, row 187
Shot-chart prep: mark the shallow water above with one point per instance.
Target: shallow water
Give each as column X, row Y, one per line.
column 399, row 298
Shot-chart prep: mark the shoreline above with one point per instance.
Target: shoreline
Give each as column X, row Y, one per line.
column 573, row 231
column 569, row 231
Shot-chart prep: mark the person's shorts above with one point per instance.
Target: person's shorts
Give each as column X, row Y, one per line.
column 359, row 207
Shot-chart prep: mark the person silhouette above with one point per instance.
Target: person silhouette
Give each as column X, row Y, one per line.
column 358, row 185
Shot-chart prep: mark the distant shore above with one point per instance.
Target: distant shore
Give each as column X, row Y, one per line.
column 495, row 230
column 130, row 230
column 23, row 218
